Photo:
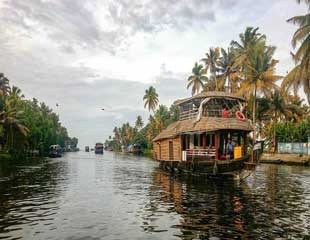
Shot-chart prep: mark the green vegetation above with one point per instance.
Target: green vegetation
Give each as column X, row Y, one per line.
column 247, row 69
column 127, row 134
column 27, row 126
column 293, row 132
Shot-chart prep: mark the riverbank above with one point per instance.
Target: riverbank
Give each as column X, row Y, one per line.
column 13, row 157
column 289, row 159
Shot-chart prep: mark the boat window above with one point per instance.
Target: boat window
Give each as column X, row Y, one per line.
column 195, row 140
column 210, row 139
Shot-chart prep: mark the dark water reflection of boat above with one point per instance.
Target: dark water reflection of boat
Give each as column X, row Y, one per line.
column 231, row 210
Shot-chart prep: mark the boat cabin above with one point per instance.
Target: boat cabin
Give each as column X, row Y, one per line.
column 55, row 151
column 99, row 148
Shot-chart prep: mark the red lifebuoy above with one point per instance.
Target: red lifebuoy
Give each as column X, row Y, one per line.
column 240, row 116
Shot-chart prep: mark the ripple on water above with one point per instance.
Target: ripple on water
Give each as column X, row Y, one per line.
column 112, row 196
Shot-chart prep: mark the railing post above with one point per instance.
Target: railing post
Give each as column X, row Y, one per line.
column 216, row 145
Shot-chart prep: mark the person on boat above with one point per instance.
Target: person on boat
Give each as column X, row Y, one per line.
column 229, row 149
column 225, row 112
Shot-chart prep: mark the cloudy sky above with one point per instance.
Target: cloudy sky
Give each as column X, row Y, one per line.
column 88, row 54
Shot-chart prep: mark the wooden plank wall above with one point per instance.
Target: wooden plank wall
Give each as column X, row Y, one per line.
column 164, row 145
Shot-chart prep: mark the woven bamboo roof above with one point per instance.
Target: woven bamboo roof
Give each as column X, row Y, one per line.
column 208, row 94
column 206, row 124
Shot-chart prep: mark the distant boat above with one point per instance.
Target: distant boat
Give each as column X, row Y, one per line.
column 87, row 149
column 134, row 148
column 99, row 148
column 55, row 151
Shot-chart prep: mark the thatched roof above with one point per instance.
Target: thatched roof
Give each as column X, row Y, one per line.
column 208, row 94
column 204, row 125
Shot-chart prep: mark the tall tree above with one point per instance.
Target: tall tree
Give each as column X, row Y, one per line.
column 12, row 120
column 4, row 85
column 139, row 123
column 150, row 98
column 227, row 72
column 16, row 92
column 197, row 79
column 255, row 60
column 211, row 62
column 242, row 49
column 299, row 76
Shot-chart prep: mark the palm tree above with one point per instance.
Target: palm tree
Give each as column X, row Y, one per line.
column 255, row 60
column 261, row 73
column 16, row 92
column 162, row 117
column 139, row 123
column 227, row 72
column 12, row 121
column 151, row 98
column 248, row 40
column 262, row 114
column 117, row 135
column 300, row 74
column 15, row 96
column 211, row 62
column 299, row 111
column 4, row 85
column 306, row 2
column 197, row 79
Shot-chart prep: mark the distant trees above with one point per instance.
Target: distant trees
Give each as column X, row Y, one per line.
column 27, row 125
column 139, row 123
column 127, row 134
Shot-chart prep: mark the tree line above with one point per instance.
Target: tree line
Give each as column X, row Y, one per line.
column 28, row 126
column 247, row 68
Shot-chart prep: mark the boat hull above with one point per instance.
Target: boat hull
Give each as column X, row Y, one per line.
column 98, row 151
column 55, row 155
column 227, row 168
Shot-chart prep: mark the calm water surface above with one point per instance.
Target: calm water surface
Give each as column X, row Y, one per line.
column 87, row 196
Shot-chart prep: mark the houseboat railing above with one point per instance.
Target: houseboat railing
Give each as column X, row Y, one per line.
column 190, row 114
column 201, row 152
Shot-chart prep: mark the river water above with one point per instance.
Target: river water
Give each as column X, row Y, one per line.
column 114, row 196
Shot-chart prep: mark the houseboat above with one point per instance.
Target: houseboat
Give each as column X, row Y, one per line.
column 211, row 137
column 55, row 151
column 99, row 148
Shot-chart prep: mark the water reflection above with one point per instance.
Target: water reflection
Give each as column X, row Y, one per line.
column 28, row 195
column 271, row 204
column 114, row 196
